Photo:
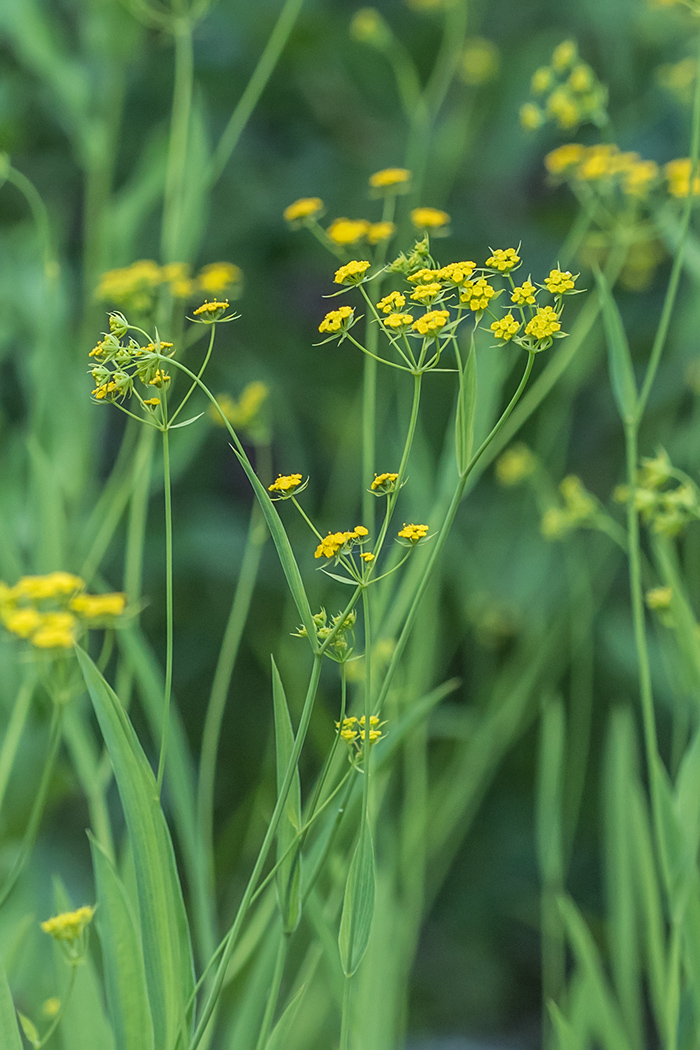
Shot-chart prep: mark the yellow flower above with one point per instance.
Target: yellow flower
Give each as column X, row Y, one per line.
column 22, row 622
column 429, row 218
column 56, row 631
column 659, row 598
column 531, row 116
column 503, row 259
column 335, row 320
column 525, row 293
column 455, row 273
column 562, row 105
column 338, row 542
column 392, row 301
column 639, row 179
column 101, row 392
column 389, row 177
column 286, row 484
column 516, row 464
column 212, row 311
column 152, row 402
column 544, row 324
column 380, row 231
column 53, row 585
column 480, row 61
column 352, row 272
column 217, row 277
column 560, row 282
column 51, row 1006
column 398, row 321
column 384, row 483
column 564, row 55
column 541, row 80
column 597, row 162
column 581, row 78
column 414, row 533
column 425, row 293
column 347, row 231
column 423, row 276
column 304, row 208
column 244, row 411
column 69, row 925
column 159, row 379
column 477, row 294
column 367, row 556
column 506, row 328
column 431, row 323
column 133, row 284
column 677, row 173
column 564, row 157
column 93, row 606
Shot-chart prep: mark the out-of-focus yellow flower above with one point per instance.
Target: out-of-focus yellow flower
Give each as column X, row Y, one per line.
column 480, row 61
column 345, row 232
column 305, row 208
column 429, row 218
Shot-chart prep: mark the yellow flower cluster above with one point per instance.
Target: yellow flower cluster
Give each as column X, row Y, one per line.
column 580, row 508
column 456, row 273
column 544, row 324
column 566, row 92
column 242, row 412
column 432, row 323
column 426, row 293
column 604, row 164
column 69, row 925
column 384, row 483
column 335, row 320
column 480, row 61
column 392, row 301
column 286, row 484
column 352, row 273
column 525, row 293
column 516, row 464
column 413, row 533
column 504, row 260
column 659, row 598
column 559, row 282
column 51, row 611
column 430, row 219
column 352, row 729
column 308, row 208
column 398, row 321
column 505, row 328
column 477, row 294
column 336, row 543
column 666, row 509
column 211, row 311
column 677, row 174
column 136, row 286
column 380, row 231
column 390, row 178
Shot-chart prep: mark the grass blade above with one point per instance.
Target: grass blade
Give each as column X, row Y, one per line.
column 358, row 904
column 289, row 872
column 166, row 944
column 10, row 1039
column 619, row 358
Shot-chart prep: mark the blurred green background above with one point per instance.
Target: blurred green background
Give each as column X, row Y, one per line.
column 328, row 118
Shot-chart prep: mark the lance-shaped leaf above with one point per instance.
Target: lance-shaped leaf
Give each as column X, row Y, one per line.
column 165, row 932
column 10, row 1039
column 289, row 871
column 619, row 357
column 358, row 904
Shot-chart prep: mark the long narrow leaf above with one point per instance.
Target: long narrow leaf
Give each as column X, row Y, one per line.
column 289, row 872
column 10, row 1039
column 166, row 945
column 358, row 904
column 619, row 358
column 122, row 954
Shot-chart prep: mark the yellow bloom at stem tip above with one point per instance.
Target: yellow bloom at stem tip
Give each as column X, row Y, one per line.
column 429, row 218
column 336, row 319
column 524, row 294
column 389, row 177
column 212, row 311
column 340, row 542
column 414, row 533
column 352, row 272
column 304, row 208
column 560, row 282
column 95, row 606
column 286, row 484
column 380, row 231
column 544, row 324
column 69, row 925
column 503, row 259
column 392, row 301
column 505, row 328
column 425, row 293
column 398, row 321
column 431, row 323
column 477, row 294
column 345, row 232
column 384, row 483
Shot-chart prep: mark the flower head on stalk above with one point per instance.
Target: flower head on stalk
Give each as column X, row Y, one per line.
column 286, row 486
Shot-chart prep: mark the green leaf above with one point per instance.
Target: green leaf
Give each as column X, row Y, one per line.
column 619, row 357
column 567, row 1038
column 280, row 1035
column 651, row 905
column 29, row 1029
column 340, row 579
column 10, row 1039
column 166, row 944
column 549, row 793
column 282, row 544
column 289, row 871
column 122, row 955
column 358, row 904
column 466, row 411
column 185, row 423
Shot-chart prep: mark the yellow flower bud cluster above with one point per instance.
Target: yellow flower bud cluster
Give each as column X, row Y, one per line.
column 515, row 465
column 339, row 629
column 245, row 412
column 335, row 544
column 286, row 485
column 609, row 170
column 53, row 610
column 566, row 92
column 346, row 233
column 480, row 61
column 352, row 731
column 580, row 508
column 120, row 362
column 69, row 925
column 413, row 534
column 666, row 498
column 383, row 484
column 137, row 287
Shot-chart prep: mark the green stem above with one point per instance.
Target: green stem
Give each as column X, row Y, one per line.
column 672, row 290
column 238, row 616
column 273, row 993
column 193, row 386
column 171, row 234
column 15, row 728
column 59, row 1016
column 232, row 935
column 408, row 445
column 35, row 816
column 345, row 1019
column 168, row 601
column 41, row 218
column 254, row 89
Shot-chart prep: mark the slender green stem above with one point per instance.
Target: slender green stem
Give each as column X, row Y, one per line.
column 15, row 728
column 59, row 1016
column 171, row 233
column 273, row 993
column 193, row 386
column 238, row 616
column 168, row 601
column 672, row 290
column 408, row 445
column 345, row 1018
column 41, row 218
column 254, row 89
column 30, row 833
column 234, row 931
